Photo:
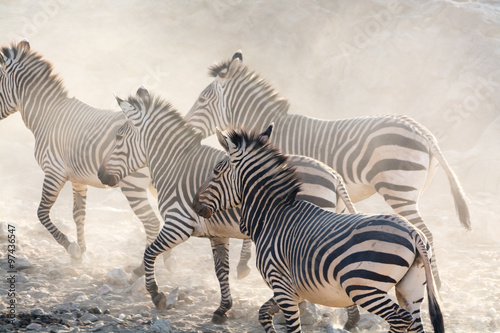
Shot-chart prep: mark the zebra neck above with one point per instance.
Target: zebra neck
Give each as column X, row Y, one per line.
column 168, row 159
column 255, row 112
column 302, row 135
column 264, row 193
column 39, row 97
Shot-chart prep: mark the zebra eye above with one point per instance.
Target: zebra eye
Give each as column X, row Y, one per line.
column 223, row 73
column 201, row 99
column 119, row 137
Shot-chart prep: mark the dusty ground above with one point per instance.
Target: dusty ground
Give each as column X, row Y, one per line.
column 435, row 61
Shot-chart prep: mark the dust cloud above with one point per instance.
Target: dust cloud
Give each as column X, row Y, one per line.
column 435, row 61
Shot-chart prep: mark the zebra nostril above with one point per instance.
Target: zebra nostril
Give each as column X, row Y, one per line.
column 205, row 212
column 100, row 173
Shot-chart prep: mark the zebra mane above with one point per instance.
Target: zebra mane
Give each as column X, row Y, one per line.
column 215, row 69
column 27, row 56
column 158, row 103
column 247, row 75
column 280, row 168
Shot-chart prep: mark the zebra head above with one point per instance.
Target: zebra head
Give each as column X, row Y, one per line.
column 9, row 66
column 211, row 109
column 223, row 190
column 128, row 153
column 125, row 157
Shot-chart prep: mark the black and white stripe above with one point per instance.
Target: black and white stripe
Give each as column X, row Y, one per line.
column 392, row 155
column 178, row 163
column 306, row 252
column 71, row 139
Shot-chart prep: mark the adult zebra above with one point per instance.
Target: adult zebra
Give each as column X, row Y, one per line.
column 392, row 155
column 305, row 252
column 71, row 139
column 157, row 136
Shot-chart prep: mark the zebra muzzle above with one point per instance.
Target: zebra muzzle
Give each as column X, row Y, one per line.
column 201, row 209
column 107, row 179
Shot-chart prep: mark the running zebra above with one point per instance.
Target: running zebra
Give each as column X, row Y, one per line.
column 305, row 252
column 71, row 139
column 157, row 136
column 392, row 155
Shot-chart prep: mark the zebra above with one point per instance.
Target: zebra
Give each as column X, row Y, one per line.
column 158, row 137
column 305, row 252
column 392, row 155
column 71, row 139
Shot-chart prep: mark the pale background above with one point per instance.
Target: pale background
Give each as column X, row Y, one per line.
column 435, row 61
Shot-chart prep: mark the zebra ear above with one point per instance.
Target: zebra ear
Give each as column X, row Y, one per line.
column 143, row 93
column 24, row 44
column 264, row 137
column 222, row 139
column 225, row 142
column 3, row 59
column 235, row 64
column 132, row 114
column 237, row 55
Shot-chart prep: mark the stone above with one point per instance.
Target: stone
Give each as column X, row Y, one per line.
column 331, row 329
column 117, row 276
column 139, row 287
column 21, row 278
column 161, row 326
column 22, row 263
column 81, row 298
column 37, row 312
column 95, row 310
column 172, row 298
column 85, row 277
column 34, row 327
column 105, row 289
column 89, row 317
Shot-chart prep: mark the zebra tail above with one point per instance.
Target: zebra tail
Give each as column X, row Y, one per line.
column 435, row 313
column 456, row 188
column 343, row 194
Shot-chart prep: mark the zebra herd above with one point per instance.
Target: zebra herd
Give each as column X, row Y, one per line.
column 266, row 188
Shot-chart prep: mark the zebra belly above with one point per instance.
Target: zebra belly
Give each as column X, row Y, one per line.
column 90, row 180
column 207, row 228
column 330, row 295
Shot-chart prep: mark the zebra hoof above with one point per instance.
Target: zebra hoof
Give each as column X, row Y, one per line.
column 219, row 319
column 74, row 250
column 242, row 271
column 160, row 301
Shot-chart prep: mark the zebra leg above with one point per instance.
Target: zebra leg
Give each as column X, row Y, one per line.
column 170, row 236
column 52, row 185
column 134, row 188
column 246, row 253
column 79, row 203
column 290, row 309
column 220, row 250
column 410, row 293
column 266, row 314
column 352, row 317
column 378, row 302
